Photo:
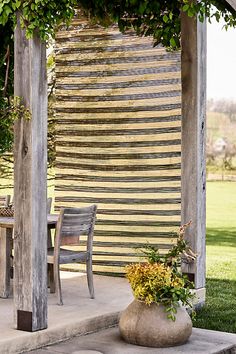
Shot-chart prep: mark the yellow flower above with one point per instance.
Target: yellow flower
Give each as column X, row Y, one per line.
column 149, row 281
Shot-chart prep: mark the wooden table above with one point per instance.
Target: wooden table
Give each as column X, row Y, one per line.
column 6, row 233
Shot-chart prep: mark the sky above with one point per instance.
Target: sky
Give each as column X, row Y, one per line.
column 221, row 62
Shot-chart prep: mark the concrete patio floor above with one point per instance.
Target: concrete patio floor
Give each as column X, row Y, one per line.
column 78, row 315
column 108, row 341
column 81, row 315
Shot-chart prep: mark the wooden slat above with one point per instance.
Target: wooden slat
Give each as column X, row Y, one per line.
column 129, row 127
column 128, row 104
column 144, row 116
column 123, row 175
column 119, row 91
column 160, row 185
column 134, row 79
column 148, row 149
column 70, row 221
column 70, row 231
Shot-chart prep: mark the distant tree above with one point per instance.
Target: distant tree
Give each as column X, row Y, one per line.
column 225, row 106
column 232, row 111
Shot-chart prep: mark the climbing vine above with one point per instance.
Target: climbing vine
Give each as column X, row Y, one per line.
column 6, row 86
column 38, row 15
column 160, row 19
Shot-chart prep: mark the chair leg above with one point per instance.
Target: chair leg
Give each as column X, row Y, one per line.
column 58, row 283
column 49, row 238
column 12, row 259
column 51, row 281
column 90, row 276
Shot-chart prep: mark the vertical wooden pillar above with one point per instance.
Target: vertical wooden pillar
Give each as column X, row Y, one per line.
column 5, row 264
column 232, row 3
column 30, row 194
column 193, row 42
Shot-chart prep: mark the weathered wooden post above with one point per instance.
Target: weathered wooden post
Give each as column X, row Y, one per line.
column 232, row 3
column 193, row 42
column 30, row 176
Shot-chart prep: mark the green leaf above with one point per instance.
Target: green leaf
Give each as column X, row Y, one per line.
column 172, row 42
column 18, row 4
column 191, row 12
column 165, row 18
column 7, row 10
column 185, row 8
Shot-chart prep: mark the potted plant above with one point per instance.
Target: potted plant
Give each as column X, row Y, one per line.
column 158, row 317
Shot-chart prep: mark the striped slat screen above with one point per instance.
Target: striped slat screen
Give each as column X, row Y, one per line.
column 118, row 103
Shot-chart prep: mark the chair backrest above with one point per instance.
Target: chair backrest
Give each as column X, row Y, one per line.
column 73, row 223
column 49, row 205
column 5, row 200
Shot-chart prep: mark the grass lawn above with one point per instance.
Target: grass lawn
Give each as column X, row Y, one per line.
column 220, row 310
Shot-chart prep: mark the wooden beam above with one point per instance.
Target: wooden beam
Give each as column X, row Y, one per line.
column 193, row 44
column 30, row 194
column 232, row 3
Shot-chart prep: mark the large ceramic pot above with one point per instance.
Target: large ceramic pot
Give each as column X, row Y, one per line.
column 149, row 326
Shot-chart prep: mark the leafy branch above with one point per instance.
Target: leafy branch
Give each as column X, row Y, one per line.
column 181, row 252
column 159, row 19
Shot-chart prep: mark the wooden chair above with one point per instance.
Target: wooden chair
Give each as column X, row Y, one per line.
column 72, row 223
column 5, row 200
column 49, row 209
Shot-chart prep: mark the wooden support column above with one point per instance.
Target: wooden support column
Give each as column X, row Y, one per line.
column 5, row 264
column 193, row 42
column 30, row 193
column 232, row 3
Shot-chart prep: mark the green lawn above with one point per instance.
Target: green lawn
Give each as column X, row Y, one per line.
column 220, row 310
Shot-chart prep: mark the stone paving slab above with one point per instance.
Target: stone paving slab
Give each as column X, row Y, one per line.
column 108, row 341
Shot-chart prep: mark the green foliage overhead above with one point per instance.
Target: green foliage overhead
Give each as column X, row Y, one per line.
column 160, row 19
column 38, row 15
column 6, row 86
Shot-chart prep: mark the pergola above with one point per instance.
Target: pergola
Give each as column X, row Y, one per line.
column 30, row 176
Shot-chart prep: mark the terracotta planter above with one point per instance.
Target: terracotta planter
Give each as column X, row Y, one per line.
column 149, row 326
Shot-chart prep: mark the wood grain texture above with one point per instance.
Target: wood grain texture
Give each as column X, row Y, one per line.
column 119, row 139
column 193, row 141
column 5, row 252
column 30, row 153
column 232, row 3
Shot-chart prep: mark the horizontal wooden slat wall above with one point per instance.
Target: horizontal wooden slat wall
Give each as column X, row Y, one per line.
column 118, row 103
